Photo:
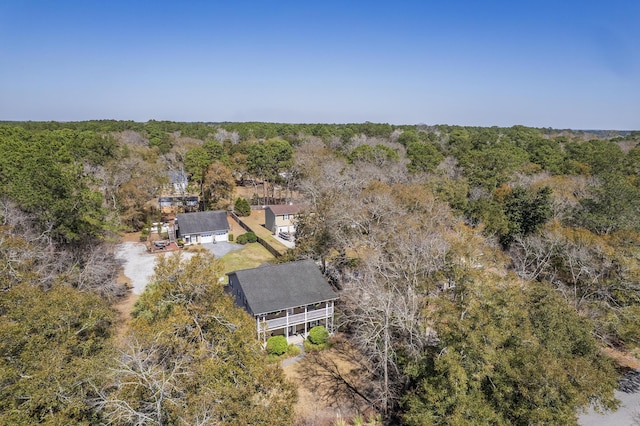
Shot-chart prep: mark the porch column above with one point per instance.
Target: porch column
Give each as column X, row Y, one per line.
column 326, row 315
column 286, row 330
column 332, row 313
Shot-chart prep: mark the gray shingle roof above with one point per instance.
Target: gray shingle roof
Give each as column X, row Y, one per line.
column 287, row 285
column 196, row 223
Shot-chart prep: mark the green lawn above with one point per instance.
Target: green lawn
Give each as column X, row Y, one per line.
column 251, row 256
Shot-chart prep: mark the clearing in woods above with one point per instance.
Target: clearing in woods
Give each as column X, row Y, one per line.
column 331, row 385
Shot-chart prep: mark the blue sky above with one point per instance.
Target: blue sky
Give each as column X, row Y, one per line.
column 561, row 64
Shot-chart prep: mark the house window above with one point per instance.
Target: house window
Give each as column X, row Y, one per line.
column 285, row 217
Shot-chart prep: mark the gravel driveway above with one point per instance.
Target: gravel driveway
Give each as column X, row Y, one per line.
column 627, row 414
column 138, row 264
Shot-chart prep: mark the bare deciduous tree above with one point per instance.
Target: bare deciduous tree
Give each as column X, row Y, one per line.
column 92, row 268
column 151, row 375
column 223, row 135
column 394, row 237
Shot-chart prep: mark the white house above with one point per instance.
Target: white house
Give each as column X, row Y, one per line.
column 202, row 227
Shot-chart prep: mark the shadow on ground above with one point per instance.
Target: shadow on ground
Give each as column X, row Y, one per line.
column 337, row 380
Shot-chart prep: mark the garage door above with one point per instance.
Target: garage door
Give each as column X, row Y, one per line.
column 206, row 238
column 222, row 236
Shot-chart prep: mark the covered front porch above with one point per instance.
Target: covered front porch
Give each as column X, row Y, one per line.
column 294, row 322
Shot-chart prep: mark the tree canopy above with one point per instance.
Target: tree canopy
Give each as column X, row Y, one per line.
column 508, row 356
column 480, row 269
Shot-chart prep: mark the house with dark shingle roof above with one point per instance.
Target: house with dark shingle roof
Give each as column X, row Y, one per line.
column 287, row 298
column 280, row 218
column 202, row 227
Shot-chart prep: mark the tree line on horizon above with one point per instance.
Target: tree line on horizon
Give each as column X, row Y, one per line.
column 481, row 270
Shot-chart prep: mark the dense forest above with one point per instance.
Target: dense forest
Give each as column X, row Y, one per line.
column 484, row 274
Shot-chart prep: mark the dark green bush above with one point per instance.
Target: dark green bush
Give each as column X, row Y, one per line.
column 277, row 345
column 248, row 237
column 242, row 207
column 292, row 351
column 230, row 237
column 318, row 335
